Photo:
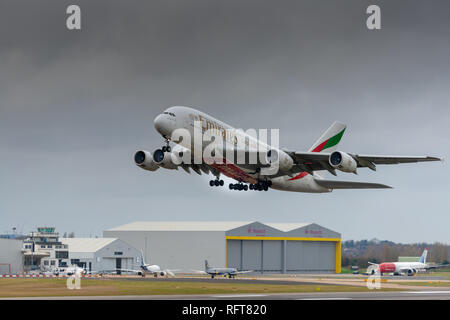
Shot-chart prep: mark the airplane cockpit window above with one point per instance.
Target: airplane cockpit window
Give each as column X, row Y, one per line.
column 169, row 113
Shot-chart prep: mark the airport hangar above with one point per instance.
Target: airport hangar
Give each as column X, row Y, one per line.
column 263, row 247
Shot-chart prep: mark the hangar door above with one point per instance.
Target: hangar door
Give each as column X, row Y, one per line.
column 310, row 256
column 258, row 255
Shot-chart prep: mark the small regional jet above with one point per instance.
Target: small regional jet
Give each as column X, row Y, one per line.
column 296, row 171
column 214, row 271
column 151, row 269
column 402, row 268
column 66, row 271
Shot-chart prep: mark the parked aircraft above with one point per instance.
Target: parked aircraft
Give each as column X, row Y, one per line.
column 297, row 171
column 215, row 271
column 402, row 268
column 151, row 269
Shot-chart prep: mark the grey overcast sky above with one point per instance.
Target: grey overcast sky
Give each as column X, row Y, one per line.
column 76, row 105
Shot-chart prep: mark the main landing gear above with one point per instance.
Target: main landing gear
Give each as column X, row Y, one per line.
column 238, row 186
column 260, row 186
column 216, row 183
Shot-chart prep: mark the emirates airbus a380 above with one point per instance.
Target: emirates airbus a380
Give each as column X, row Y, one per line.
column 252, row 162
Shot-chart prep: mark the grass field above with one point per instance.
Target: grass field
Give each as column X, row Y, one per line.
column 433, row 283
column 90, row 287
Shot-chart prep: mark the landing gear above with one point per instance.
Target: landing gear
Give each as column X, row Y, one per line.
column 238, row 186
column 261, row 185
column 166, row 148
column 216, row 183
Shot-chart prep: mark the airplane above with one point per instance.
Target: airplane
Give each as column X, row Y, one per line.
column 214, row 271
column 68, row 271
column 401, row 268
column 298, row 171
column 151, row 269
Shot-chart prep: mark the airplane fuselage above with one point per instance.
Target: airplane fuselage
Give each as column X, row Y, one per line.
column 409, row 268
column 186, row 118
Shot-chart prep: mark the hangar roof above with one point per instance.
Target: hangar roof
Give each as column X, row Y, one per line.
column 286, row 226
column 199, row 226
column 180, row 226
column 86, row 244
column 233, row 228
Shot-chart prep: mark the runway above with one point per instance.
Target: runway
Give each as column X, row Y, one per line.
column 216, row 280
column 374, row 295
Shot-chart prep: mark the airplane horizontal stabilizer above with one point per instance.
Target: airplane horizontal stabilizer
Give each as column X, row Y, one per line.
column 333, row 184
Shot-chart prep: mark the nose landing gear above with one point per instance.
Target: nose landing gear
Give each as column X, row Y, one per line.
column 166, row 148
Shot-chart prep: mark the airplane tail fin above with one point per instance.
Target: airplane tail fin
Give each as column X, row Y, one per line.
column 206, row 265
column 142, row 258
column 423, row 258
column 329, row 141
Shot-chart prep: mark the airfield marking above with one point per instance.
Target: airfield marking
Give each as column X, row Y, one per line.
column 241, row 296
column 429, row 292
column 325, row 299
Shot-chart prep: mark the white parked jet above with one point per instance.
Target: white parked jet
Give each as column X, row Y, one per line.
column 401, row 268
column 152, row 269
column 296, row 170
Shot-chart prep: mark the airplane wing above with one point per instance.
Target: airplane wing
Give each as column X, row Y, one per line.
column 199, row 271
column 312, row 161
column 438, row 266
column 121, row 270
column 112, row 271
column 171, row 272
column 332, row 184
column 244, row 271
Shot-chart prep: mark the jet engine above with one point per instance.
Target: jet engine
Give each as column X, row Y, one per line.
column 411, row 272
column 343, row 161
column 144, row 159
column 164, row 159
column 279, row 157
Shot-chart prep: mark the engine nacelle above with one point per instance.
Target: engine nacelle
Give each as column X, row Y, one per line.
column 280, row 158
column 411, row 272
column 164, row 159
column 144, row 160
column 343, row 161
column 162, row 273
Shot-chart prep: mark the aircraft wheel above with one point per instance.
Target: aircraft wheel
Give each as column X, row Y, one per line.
column 245, row 187
column 221, row 182
column 216, row 183
column 231, row 186
column 266, row 188
column 211, row 183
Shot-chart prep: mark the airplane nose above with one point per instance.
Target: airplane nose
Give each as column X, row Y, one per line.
column 164, row 125
column 159, row 124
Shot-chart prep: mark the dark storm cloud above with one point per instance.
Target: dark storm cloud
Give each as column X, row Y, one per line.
column 75, row 105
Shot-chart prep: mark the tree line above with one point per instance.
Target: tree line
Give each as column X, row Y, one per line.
column 359, row 253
